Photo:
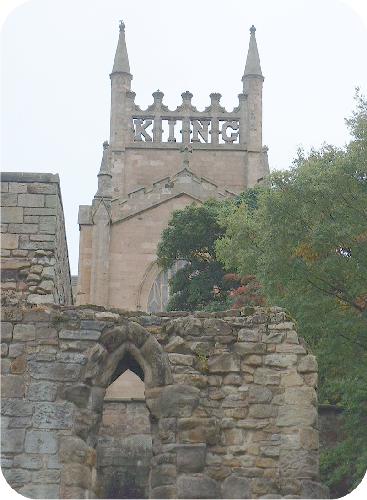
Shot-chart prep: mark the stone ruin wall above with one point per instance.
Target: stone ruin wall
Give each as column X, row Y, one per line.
column 34, row 254
column 231, row 401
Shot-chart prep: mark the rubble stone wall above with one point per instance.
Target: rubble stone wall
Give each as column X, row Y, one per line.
column 231, row 397
column 34, row 254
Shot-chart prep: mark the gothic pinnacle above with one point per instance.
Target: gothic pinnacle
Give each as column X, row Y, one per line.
column 252, row 67
column 121, row 62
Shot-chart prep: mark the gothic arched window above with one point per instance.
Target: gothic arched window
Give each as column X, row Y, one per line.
column 159, row 293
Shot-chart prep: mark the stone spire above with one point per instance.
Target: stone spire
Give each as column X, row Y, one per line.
column 121, row 62
column 104, row 175
column 252, row 67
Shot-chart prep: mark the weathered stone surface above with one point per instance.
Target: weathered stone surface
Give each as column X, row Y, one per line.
column 23, row 333
column 222, row 363
column 262, row 411
column 214, row 327
column 291, row 378
column 11, row 214
column 292, row 415
column 249, row 335
column 280, row 360
column 244, row 348
column 54, row 371
column 41, row 442
column 40, row 491
column 78, row 394
column 181, row 359
column 191, row 458
column 266, row 376
column 79, row 334
column 28, row 461
column 175, row 344
column 162, row 475
column 313, row 489
column 259, row 394
column 307, row 364
column 31, row 200
column 178, row 401
column 53, row 416
column 6, row 331
column 198, row 430
column 199, row 486
column 302, row 396
column 12, row 440
column 236, row 487
column 17, row 476
column 73, row 449
column 12, row 386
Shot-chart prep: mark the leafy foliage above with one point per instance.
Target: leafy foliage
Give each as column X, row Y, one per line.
column 305, row 239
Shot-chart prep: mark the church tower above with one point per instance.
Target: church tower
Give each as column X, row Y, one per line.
column 159, row 160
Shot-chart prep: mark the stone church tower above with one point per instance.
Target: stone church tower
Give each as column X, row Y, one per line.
column 159, row 160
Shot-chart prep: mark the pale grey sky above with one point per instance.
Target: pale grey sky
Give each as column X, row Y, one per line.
column 57, row 56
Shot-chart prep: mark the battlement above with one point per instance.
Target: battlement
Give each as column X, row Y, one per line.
column 213, row 126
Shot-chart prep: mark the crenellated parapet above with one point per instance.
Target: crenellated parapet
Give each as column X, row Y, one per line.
column 214, row 126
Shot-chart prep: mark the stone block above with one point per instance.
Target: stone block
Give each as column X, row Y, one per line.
column 191, row 458
column 160, row 370
column 12, row 440
column 51, row 200
column 244, row 348
column 53, row 416
column 200, row 486
column 236, row 487
column 78, row 394
column 262, row 411
column 280, row 360
column 12, row 215
column 175, row 344
column 42, row 188
column 31, row 200
column 162, row 475
column 24, row 333
column 181, row 359
column 291, row 378
column 18, row 187
column 12, row 386
column 40, row 299
column 73, row 449
column 40, row 490
column 27, row 461
column 302, row 396
column 273, row 337
column 42, row 391
column 292, row 415
column 307, row 364
column 249, row 335
column 47, row 224
column 16, row 407
column 54, row 371
column 17, row 477
column 75, row 474
column 222, row 363
column 24, row 228
column 266, row 376
column 213, row 326
column 79, row 334
column 41, row 442
column 6, row 331
column 9, row 241
column 16, row 350
column 198, row 430
column 259, row 394
column 178, row 400
column 46, row 476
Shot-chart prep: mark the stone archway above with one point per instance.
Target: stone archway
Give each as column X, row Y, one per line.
column 165, row 400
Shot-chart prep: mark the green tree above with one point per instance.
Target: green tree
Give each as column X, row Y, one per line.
column 306, row 241
column 190, row 236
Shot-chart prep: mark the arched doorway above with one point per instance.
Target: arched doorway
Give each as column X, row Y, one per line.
column 124, row 445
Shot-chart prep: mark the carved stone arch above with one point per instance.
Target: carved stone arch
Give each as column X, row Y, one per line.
column 142, row 346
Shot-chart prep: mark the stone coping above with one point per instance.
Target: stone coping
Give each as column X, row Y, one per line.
column 29, row 177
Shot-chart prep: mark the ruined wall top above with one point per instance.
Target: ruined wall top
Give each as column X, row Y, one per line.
column 34, row 254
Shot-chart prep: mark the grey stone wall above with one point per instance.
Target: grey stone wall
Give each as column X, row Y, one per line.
column 231, row 398
column 34, row 254
column 124, row 450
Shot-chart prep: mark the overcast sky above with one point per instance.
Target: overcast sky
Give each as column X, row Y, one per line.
column 57, row 56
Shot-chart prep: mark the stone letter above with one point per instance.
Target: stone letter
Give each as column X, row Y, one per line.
column 200, row 128
column 140, row 130
column 234, row 135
